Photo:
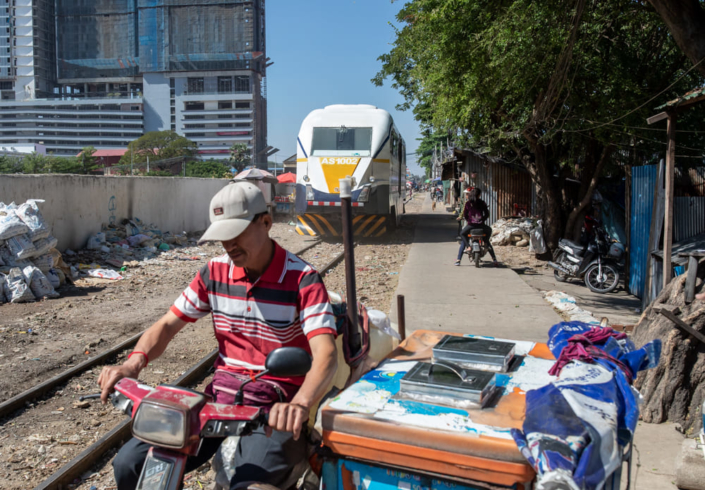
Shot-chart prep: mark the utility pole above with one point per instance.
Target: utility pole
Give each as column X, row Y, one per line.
column 147, row 163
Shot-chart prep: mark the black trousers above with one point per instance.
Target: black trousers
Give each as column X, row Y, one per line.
column 465, row 243
column 259, row 458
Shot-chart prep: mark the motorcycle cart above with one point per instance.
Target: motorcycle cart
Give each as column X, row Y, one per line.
column 379, row 438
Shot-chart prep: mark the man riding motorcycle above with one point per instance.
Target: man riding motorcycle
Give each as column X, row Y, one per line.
column 475, row 214
column 261, row 297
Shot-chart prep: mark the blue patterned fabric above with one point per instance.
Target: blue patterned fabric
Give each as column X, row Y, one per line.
column 576, row 428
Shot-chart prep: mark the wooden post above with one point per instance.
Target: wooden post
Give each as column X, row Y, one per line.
column 668, row 212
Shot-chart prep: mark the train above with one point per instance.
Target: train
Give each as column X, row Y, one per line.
column 358, row 141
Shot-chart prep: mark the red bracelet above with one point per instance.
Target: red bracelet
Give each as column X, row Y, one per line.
column 146, row 358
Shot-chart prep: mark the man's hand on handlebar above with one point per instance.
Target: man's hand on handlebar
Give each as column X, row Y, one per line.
column 110, row 375
column 288, row 417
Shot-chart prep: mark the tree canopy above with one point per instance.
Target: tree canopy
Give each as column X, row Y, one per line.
column 158, row 145
column 559, row 87
column 240, row 156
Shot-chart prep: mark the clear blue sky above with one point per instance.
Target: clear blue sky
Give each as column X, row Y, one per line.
column 325, row 52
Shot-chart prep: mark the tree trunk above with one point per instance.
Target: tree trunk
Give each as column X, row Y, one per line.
column 675, row 389
column 685, row 20
column 578, row 209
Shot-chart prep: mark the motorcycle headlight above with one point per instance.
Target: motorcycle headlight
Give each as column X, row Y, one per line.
column 160, row 425
column 364, row 194
column 309, row 192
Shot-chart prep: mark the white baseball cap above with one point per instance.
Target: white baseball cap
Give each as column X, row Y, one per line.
column 232, row 210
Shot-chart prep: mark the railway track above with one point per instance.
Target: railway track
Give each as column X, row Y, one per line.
column 92, row 454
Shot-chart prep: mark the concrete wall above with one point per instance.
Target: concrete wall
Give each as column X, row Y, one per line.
column 77, row 205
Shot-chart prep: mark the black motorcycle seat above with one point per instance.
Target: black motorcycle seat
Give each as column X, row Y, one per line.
column 477, row 232
column 578, row 247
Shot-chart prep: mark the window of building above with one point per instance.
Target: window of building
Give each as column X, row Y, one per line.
column 195, row 126
column 242, row 84
column 225, row 105
column 172, row 83
column 225, row 85
column 195, row 85
column 195, row 106
column 194, row 117
column 242, row 105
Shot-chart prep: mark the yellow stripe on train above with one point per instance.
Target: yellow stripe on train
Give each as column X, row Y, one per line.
column 366, row 225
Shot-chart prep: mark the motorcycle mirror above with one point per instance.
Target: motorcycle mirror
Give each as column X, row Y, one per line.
column 288, row 361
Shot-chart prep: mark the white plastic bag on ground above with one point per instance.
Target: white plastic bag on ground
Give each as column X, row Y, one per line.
column 21, row 247
column 105, row 274
column 44, row 245
column 16, row 289
column 43, row 262
column 38, row 283
column 30, row 215
column 11, row 224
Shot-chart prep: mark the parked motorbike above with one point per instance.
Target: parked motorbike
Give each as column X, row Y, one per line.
column 174, row 419
column 598, row 263
column 478, row 241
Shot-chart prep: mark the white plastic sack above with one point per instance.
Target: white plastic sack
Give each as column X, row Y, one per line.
column 537, row 241
column 10, row 260
column 105, row 274
column 43, row 262
column 54, row 278
column 137, row 240
column 30, row 215
column 93, row 243
column 21, row 247
column 44, row 245
column 16, row 289
column 38, row 283
column 11, row 224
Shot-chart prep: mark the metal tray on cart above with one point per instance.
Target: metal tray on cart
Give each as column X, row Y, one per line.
column 447, row 380
column 474, row 353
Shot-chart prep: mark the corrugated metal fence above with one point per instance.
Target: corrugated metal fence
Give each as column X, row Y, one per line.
column 643, row 185
column 688, row 217
column 503, row 186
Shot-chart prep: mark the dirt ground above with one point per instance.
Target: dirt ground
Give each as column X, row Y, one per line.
column 39, row 340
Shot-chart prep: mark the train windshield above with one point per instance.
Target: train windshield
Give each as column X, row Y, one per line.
column 342, row 142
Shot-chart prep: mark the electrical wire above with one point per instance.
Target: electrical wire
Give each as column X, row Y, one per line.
column 641, row 106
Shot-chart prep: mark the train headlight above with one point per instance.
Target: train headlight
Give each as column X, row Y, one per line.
column 306, row 178
column 309, row 192
column 364, row 194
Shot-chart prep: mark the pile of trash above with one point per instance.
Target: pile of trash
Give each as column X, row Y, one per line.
column 118, row 246
column 565, row 305
column 30, row 266
column 512, row 231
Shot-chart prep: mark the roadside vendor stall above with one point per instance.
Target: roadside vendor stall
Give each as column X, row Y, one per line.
column 466, row 432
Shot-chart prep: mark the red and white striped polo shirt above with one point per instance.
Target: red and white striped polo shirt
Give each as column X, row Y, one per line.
column 286, row 306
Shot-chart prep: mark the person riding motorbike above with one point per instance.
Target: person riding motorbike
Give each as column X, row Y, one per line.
column 475, row 214
column 261, row 297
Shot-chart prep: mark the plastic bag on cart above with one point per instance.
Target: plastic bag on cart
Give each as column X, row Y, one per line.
column 16, row 288
column 39, row 284
column 576, row 428
column 31, row 216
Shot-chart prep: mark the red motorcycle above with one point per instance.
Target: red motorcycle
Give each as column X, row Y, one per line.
column 174, row 419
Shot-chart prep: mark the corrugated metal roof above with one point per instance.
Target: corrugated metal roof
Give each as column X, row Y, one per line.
column 695, row 93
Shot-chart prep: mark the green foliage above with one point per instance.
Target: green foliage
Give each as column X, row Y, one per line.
column 160, row 173
column 551, row 85
column 208, row 169
column 10, row 165
column 240, row 156
column 158, row 145
column 429, row 141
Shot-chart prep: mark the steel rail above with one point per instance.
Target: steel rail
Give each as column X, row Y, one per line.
column 91, row 455
column 35, row 392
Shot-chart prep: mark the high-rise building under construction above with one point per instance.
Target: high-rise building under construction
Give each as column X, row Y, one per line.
column 75, row 73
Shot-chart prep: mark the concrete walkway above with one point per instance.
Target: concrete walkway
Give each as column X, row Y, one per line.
column 497, row 302
column 482, row 301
